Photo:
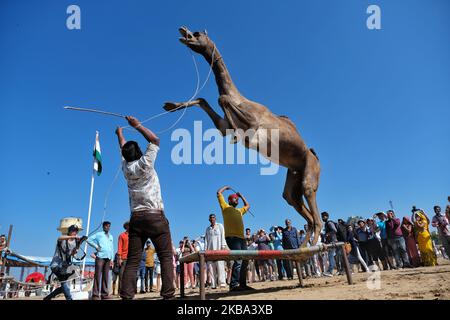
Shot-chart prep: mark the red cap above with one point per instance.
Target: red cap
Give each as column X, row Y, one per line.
column 232, row 196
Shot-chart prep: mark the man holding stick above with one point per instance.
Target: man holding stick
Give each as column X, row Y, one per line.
column 234, row 235
column 147, row 215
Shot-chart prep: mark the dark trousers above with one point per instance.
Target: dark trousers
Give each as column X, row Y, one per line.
column 101, row 278
column 148, row 278
column 339, row 259
column 288, row 267
column 445, row 240
column 121, row 271
column 364, row 250
column 280, row 269
column 398, row 246
column 239, row 270
column 375, row 252
column 385, row 252
column 64, row 288
column 143, row 225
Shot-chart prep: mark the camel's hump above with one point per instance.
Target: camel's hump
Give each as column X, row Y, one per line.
column 314, row 153
column 288, row 119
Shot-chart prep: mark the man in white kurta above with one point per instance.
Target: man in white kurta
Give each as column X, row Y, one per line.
column 215, row 240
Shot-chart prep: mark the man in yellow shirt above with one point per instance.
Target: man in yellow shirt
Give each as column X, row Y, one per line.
column 234, row 235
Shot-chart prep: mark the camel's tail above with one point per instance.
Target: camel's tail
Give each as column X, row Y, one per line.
column 314, row 153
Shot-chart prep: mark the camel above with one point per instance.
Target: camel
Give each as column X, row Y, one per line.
column 240, row 113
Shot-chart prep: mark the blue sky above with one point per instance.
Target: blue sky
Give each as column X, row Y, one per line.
column 373, row 104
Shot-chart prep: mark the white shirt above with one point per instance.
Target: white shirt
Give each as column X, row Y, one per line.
column 215, row 237
column 319, row 240
column 199, row 245
column 178, row 251
column 143, row 184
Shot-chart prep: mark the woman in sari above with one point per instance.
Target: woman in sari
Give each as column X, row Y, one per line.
column 410, row 240
column 421, row 223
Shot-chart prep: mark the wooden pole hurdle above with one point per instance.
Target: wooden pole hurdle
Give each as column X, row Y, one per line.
column 297, row 255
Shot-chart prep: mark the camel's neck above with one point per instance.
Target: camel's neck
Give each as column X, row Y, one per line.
column 223, row 78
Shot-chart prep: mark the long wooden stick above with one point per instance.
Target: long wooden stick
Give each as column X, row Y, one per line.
column 248, row 209
column 96, row 111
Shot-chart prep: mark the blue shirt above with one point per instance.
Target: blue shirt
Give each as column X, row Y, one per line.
column 105, row 241
column 302, row 238
column 363, row 235
column 291, row 239
column 382, row 226
column 277, row 241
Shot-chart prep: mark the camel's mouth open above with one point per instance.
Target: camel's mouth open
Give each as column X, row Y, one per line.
column 188, row 37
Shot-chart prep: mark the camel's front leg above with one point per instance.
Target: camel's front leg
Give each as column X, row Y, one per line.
column 221, row 124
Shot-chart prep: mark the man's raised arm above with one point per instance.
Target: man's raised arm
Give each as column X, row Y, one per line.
column 147, row 133
column 246, row 204
column 221, row 190
column 122, row 140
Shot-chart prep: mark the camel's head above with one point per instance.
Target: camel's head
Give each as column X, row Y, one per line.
column 196, row 41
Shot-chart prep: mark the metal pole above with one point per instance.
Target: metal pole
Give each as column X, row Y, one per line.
column 8, row 241
column 181, row 280
column 87, row 228
column 346, row 266
column 22, row 273
column 202, row 276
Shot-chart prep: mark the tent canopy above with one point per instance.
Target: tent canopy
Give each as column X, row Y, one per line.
column 16, row 260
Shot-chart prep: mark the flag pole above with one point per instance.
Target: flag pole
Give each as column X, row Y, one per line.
column 89, row 216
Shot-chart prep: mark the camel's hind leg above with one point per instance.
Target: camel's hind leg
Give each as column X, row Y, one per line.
column 310, row 185
column 317, row 223
column 310, row 225
column 293, row 191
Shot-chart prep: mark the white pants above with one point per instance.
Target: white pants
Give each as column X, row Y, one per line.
column 361, row 260
column 216, row 270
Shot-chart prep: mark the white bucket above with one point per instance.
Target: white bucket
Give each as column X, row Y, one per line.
column 80, row 295
column 65, row 223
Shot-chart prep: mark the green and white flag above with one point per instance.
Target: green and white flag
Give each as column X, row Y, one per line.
column 97, row 156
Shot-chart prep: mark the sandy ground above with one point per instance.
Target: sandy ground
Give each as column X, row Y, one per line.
column 429, row 283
